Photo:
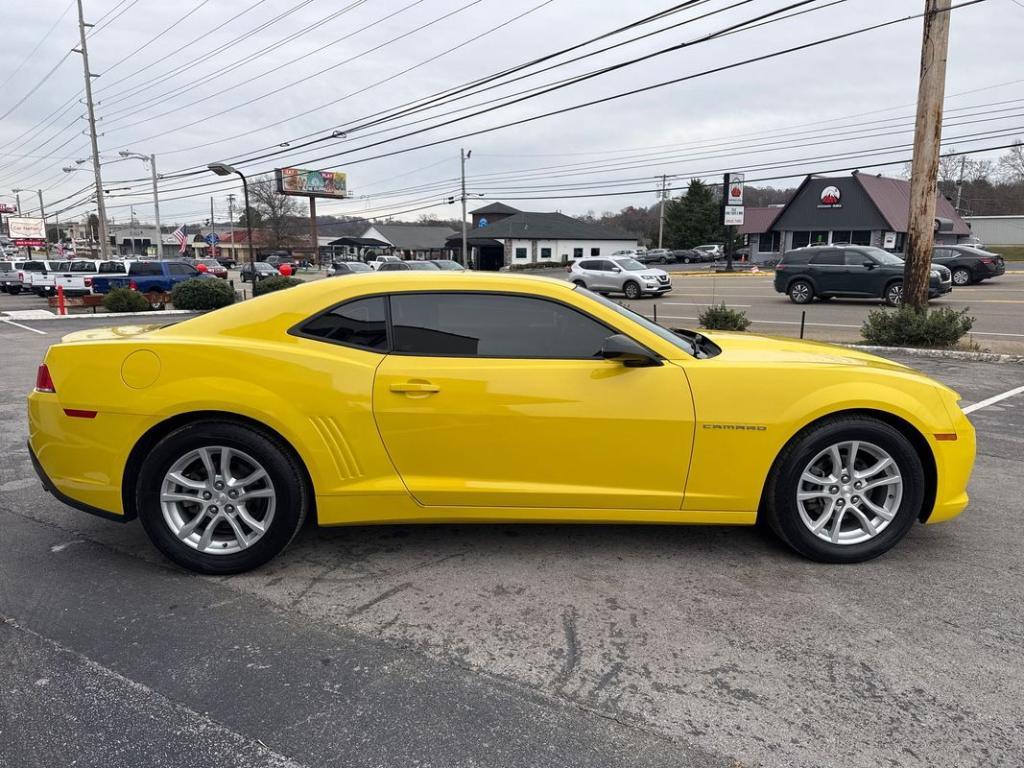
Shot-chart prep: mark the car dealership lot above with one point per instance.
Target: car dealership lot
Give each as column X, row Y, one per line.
column 514, row 645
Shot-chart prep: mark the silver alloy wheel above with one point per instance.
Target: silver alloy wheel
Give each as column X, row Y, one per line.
column 800, row 292
column 218, row 500
column 961, row 277
column 895, row 294
column 849, row 492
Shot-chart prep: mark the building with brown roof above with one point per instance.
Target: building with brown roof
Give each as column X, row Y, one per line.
column 861, row 209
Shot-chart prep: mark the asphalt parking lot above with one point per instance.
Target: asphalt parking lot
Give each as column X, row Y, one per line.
column 514, row 645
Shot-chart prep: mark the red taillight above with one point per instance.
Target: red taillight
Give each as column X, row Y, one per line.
column 133, row 285
column 43, row 381
column 988, row 261
column 78, row 413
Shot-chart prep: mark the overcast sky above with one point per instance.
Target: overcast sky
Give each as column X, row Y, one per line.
column 797, row 110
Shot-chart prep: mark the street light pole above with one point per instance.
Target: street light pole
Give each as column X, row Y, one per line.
column 464, row 156
column 222, row 169
column 151, row 161
column 101, row 206
column 661, row 215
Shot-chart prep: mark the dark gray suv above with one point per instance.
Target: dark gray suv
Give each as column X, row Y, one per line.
column 850, row 271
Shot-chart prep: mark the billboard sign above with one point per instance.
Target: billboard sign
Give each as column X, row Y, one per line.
column 734, row 189
column 25, row 228
column 298, row 181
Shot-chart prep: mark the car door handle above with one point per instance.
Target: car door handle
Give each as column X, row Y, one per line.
column 416, row 386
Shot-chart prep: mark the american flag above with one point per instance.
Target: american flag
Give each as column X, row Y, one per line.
column 179, row 235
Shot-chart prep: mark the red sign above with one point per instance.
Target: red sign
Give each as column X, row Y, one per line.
column 8, row 208
column 30, row 243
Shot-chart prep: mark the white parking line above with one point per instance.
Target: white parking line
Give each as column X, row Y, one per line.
column 993, row 400
column 698, row 304
column 23, row 327
column 831, row 325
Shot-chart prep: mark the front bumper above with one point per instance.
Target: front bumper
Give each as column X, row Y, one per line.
column 954, row 460
column 939, row 289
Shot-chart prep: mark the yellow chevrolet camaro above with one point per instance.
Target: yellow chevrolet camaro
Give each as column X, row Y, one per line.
column 466, row 397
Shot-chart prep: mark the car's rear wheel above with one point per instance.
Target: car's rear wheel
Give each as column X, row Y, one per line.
column 686, row 259
column 845, row 490
column 961, row 277
column 800, row 292
column 579, row 283
column 220, row 498
column 893, row 294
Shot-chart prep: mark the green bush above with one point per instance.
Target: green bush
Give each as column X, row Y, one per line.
column 909, row 327
column 539, row 265
column 202, row 294
column 268, row 284
column 721, row 318
column 125, row 300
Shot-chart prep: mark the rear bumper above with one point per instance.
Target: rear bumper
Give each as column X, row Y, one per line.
column 49, row 487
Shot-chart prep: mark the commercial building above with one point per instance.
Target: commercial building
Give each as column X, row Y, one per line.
column 505, row 237
column 998, row 230
column 860, row 209
column 412, row 241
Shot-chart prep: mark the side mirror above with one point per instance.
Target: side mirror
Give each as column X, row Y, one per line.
column 623, row 349
column 616, row 269
column 869, row 264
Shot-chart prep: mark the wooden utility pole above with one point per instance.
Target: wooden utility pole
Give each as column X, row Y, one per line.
column 661, row 214
column 101, row 206
column 925, row 164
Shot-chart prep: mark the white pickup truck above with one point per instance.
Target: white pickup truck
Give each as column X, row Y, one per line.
column 76, row 277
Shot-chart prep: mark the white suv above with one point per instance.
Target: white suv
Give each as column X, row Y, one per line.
column 619, row 274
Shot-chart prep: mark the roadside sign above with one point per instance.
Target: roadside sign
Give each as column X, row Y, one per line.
column 733, row 216
column 30, row 242
column 733, row 189
column 8, row 208
column 889, row 240
column 23, row 227
column 212, row 238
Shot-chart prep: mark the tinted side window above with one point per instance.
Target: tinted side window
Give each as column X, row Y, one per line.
column 828, row 257
column 181, row 269
column 360, row 323
column 796, row 257
column 856, row 258
column 493, row 325
column 589, row 264
column 112, row 267
column 144, row 268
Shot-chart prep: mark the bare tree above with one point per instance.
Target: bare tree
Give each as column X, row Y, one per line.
column 1011, row 165
column 278, row 215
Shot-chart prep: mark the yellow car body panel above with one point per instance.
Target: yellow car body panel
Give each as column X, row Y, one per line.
column 691, row 441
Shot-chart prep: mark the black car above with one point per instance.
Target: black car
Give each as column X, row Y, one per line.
column 851, row 271
column 968, row 264
column 263, row 270
column 348, row 268
column 691, row 256
column 277, row 260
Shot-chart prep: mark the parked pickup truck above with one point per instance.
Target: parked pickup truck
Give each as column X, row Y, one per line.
column 148, row 276
column 34, row 275
column 76, row 276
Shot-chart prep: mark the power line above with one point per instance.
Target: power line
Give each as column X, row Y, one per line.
column 42, row 40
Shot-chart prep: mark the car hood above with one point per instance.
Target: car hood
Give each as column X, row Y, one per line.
column 652, row 274
column 753, row 348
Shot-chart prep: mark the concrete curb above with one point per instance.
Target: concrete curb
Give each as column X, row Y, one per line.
column 942, row 354
column 42, row 314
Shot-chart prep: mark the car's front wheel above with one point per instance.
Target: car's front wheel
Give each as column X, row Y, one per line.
column 632, row 290
column 845, row 490
column 961, row 277
column 220, row 498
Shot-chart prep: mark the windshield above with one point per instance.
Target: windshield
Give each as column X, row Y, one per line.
column 452, row 266
column 426, row 266
column 358, row 266
column 664, row 333
column 630, row 265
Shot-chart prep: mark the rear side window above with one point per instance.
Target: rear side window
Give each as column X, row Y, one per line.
column 361, row 323
column 493, row 325
column 111, row 267
column 828, row 257
column 145, row 268
column 796, row 257
column 181, row 269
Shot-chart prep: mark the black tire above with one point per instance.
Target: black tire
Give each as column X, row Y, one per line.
column 291, row 504
column 781, row 510
column 14, row 290
column 579, row 283
column 686, row 259
column 632, row 290
column 893, row 295
column 962, row 277
column 663, row 260
column 801, row 292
